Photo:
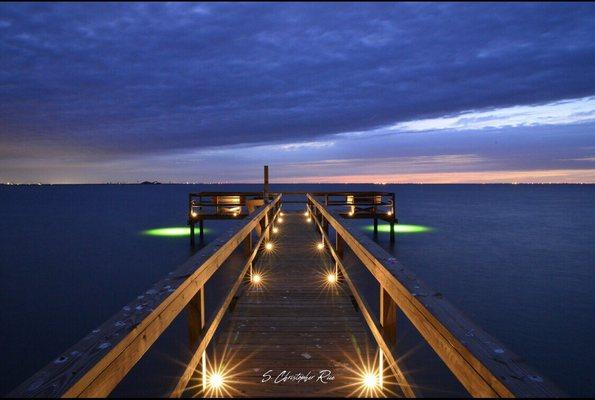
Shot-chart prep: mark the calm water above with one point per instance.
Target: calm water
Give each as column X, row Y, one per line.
column 519, row 260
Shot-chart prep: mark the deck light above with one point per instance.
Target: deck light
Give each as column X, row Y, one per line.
column 194, row 214
column 351, row 213
column 305, row 213
column 268, row 246
column 281, row 213
column 275, row 229
column 279, row 220
column 256, row 279
column 216, row 380
column 331, row 278
column 389, row 212
column 370, row 381
column 320, row 246
column 309, row 220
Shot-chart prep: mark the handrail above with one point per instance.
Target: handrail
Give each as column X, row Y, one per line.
column 478, row 361
column 375, row 328
column 96, row 364
column 211, row 327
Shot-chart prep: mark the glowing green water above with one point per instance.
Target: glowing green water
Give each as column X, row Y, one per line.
column 400, row 228
column 172, row 231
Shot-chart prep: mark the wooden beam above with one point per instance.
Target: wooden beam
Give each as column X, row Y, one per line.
column 96, row 364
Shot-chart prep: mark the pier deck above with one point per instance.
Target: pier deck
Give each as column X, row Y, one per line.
column 295, row 321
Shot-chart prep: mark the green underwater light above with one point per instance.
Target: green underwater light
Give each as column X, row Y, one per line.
column 400, row 228
column 174, row 231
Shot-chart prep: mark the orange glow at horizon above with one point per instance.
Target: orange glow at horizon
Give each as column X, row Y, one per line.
column 529, row 176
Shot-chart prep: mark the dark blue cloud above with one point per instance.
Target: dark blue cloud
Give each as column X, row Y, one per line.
column 135, row 78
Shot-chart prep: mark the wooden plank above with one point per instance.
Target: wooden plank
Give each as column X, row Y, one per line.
column 95, row 365
column 482, row 364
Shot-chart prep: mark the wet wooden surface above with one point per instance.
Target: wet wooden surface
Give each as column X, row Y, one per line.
column 294, row 321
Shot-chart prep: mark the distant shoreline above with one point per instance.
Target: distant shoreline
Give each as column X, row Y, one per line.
column 289, row 183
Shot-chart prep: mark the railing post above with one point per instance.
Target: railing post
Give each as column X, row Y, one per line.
column 196, row 324
column 388, row 321
column 388, row 317
column 339, row 245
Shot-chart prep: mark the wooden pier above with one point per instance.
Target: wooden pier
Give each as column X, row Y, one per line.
column 293, row 307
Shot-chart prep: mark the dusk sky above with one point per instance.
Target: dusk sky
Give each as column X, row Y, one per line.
column 319, row 92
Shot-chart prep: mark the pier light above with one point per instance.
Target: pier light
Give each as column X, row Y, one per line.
column 331, row 278
column 320, row 246
column 279, row 219
column 281, row 213
column 305, row 213
column 256, row 279
column 194, row 214
column 216, row 380
column 390, row 212
column 275, row 229
column 309, row 220
column 370, row 380
column 268, row 246
column 351, row 213
column 235, row 214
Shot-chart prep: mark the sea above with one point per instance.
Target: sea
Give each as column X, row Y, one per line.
column 518, row 260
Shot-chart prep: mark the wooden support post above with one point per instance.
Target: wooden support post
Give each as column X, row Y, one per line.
column 196, row 324
column 375, row 226
column 202, row 231
column 265, row 193
column 192, row 243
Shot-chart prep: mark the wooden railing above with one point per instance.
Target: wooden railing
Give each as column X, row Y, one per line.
column 479, row 362
column 94, row 366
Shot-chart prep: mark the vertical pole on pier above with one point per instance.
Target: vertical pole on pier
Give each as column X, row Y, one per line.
column 388, row 321
column 196, row 324
column 190, row 220
column 248, row 248
column 375, row 225
column 265, row 193
column 340, row 250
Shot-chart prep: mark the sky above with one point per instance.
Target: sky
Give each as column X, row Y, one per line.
column 351, row 92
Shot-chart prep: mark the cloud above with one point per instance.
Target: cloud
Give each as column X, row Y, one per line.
column 557, row 113
column 145, row 78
